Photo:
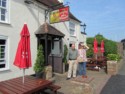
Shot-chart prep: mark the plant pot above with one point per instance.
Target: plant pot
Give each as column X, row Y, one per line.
column 112, row 67
column 40, row 75
column 66, row 67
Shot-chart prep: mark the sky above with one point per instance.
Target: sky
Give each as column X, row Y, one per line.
column 105, row 17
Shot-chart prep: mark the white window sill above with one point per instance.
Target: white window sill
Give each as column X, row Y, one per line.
column 72, row 35
column 4, row 69
column 7, row 23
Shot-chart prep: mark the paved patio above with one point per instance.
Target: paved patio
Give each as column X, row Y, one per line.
column 68, row 87
column 99, row 81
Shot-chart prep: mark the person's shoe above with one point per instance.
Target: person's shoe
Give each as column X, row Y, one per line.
column 67, row 78
column 84, row 76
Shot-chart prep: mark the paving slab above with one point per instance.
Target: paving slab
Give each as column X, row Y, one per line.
column 99, row 79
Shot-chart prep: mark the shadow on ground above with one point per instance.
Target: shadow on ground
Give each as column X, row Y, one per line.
column 115, row 85
column 50, row 93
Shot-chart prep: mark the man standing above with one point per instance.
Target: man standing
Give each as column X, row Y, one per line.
column 73, row 54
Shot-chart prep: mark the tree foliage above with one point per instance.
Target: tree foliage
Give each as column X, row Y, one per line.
column 109, row 45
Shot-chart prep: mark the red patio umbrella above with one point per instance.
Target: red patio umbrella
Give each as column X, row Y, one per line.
column 102, row 47
column 23, row 54
column 95, row 46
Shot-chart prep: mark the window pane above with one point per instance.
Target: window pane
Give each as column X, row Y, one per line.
column 3, row 14
column 2, row 55
column 2, row 17
column 2, row 65
column 72, row 32
column 3, row 11
column 3, row 3
column 0, row 2
column 71, row 25
column 2, row 42
column 2, row 49
column 2, row 60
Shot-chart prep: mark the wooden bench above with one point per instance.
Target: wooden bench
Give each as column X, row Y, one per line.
column 53, row 88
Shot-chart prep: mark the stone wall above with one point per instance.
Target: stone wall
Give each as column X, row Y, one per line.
column 120, row 49
column 83, row 86
column 48, row 72
column 112, row 67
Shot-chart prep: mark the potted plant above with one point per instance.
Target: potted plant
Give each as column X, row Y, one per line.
column 112, row 67
column 65, row 64
column 39, row 65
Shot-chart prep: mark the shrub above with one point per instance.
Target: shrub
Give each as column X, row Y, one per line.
column 65, row 54
column 39, row 63
column 114, row 57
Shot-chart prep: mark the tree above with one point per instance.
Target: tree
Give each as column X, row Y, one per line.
column 109, row 46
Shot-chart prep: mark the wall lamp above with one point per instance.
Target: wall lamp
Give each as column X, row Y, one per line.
column 84, row 28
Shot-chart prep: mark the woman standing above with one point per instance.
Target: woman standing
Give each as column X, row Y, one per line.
column 82, row 65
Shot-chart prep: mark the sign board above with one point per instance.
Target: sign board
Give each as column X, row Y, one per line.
column 59, row 15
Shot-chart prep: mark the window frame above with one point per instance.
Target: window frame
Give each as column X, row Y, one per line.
column 7, row 12
column 6, row 53
column 73, row 28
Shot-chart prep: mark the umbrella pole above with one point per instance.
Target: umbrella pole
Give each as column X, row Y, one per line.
column 23, row 75
column 102, row 54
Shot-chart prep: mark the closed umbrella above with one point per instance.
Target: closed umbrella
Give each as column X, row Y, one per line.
column 102, row 47
column 23, row 54
column 95, row 50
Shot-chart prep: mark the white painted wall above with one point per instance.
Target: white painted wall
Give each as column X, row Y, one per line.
column 20, row 13
column 82, row 38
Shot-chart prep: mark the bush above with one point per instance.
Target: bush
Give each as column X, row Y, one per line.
column 114, row 57
column 65, row 54
column 39, row 64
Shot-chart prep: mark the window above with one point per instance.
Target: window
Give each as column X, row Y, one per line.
column 72, row 29
column 3, row 53
column 4, row 13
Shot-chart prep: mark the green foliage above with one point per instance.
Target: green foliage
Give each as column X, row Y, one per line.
column 39, row 64
column 99, row 38
column 65, row 54
column 109, row 45
column 90, row 51
column 115, row 57
column 90, row 40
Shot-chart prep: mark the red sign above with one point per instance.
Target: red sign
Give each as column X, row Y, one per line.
column 60, row 15
column 64, row 14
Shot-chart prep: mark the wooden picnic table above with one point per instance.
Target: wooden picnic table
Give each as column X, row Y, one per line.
column 99, row 62
column 30, row 86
